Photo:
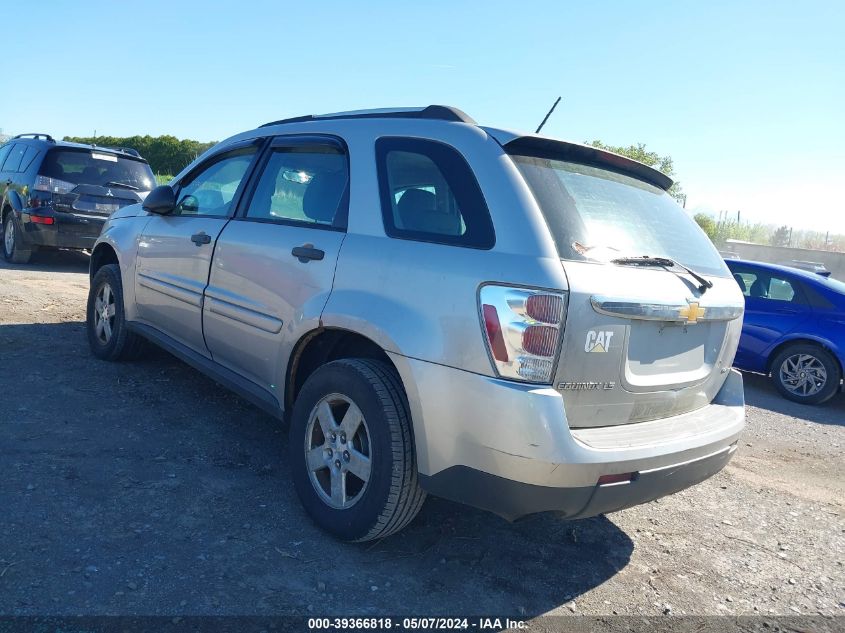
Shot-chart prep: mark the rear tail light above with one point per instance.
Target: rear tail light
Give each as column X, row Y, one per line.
column 494, row 333
column 540, row 340
column 523, row 330
column 544, row 308
column 52, row 185
column 42, row 219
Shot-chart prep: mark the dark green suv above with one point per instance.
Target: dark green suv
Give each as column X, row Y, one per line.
column 58, row 195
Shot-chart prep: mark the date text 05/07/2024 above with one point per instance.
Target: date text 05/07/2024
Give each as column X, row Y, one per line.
column 425, row 624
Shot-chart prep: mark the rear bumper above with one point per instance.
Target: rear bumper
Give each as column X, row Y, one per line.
column 508, row 448
column 67, row 231
column 512, row 499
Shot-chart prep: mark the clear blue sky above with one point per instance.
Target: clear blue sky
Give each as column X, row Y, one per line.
column 747, row 97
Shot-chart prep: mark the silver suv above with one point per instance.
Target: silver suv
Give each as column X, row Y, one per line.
column 510, row 321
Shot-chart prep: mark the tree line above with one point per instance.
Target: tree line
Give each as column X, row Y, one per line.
column 165, row 154
column 724, row 229
column 639, row 153
column 168, row 155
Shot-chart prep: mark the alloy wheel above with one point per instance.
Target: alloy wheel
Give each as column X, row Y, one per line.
column 9, row 236
column 104, row 313
column 803, row 374
column 338, row 452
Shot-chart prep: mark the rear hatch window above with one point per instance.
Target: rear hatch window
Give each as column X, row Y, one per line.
column 92, row 167
column 598, row 214
column 92, row 181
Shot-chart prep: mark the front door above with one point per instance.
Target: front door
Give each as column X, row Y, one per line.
column 274, row 265
column 175, row 250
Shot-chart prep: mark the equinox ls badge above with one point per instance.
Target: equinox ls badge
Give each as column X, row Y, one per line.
column 585, row 386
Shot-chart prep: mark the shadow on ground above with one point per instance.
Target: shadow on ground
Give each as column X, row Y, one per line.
column 145, row 488
column 760, row 392
column 54, row 261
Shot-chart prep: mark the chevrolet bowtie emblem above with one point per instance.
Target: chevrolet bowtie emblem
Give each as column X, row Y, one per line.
column 692, row 313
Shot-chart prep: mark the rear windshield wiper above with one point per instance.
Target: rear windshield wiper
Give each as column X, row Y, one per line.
column 125, row 185
column 665, row 262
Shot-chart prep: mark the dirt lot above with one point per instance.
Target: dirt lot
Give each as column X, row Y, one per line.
column 145, row 488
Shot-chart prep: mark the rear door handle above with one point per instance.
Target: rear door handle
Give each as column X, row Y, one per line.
column 307, row 252
column 201, row 238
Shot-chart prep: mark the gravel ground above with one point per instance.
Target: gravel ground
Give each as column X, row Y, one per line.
column 145, row 488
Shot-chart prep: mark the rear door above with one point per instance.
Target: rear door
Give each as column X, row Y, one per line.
column 274, row 264
column 174, row 251
column 775, row 305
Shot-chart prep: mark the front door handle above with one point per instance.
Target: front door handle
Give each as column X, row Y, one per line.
column 307, row 252
column 201, row 238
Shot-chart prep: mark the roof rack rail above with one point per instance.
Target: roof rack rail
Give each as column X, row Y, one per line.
column 439, row 112
column 36, row 135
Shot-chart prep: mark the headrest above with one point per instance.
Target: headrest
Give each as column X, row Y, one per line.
column 323, row 195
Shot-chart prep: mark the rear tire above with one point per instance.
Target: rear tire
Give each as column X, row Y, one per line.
column 108, row 335
column 14, row 249
column 365, row 485
column 806, row 373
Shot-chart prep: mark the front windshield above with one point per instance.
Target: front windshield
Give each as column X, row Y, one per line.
column 595, row 214
column 92, row 167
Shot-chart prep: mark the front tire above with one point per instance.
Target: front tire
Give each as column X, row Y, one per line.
column 806, row 373
column 352, row 451
column 14, row 249
column 108, row 336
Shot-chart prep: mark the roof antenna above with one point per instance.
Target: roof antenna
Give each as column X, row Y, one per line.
column 547, row 116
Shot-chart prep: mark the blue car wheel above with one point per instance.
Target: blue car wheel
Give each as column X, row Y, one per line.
column 806, row 373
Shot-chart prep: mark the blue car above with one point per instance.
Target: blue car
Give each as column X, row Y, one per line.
column 794, row 329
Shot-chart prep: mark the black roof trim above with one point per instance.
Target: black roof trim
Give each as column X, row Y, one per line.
column 36, row 136
column 562, row 150
column 438, row 112
column 125, row 150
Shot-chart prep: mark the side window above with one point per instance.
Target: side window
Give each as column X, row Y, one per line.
column 28, row 157
column 4, row 152
column 744, row 279
column 763, row 285
column 782, row 290
column 211, row 191
column 13, row 160
column 302, row 184
column 429, row 194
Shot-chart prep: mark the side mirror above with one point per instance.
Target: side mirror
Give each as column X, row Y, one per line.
column 161, row 200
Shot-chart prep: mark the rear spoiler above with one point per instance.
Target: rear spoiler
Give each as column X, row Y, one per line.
column 544, row 147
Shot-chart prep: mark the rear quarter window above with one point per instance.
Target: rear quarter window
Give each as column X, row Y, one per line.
column 28, row 158
column 430, row 194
